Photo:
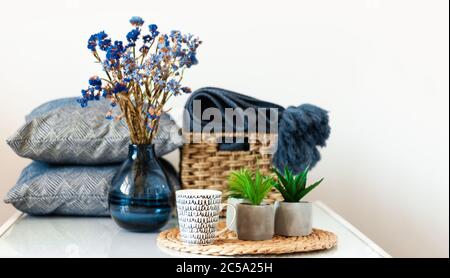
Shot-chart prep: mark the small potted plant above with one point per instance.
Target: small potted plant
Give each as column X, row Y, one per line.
column 254, row 219
column 292, row 216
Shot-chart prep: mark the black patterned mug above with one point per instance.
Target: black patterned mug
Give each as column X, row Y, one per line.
column 198, row 215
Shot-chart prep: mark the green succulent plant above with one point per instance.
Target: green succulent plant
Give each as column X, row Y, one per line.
column 253, row 187
column 293, row 187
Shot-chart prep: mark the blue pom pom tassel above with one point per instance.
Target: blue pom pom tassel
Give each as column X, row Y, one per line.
column 301, row 130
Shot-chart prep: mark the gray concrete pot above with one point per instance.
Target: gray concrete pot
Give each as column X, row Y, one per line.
column 293, row 219
column 233, row 201
column 254, row 222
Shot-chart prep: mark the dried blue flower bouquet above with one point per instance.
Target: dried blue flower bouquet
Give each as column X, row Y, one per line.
column 140, row 78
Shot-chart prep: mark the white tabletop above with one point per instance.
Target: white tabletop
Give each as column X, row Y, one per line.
column 28, row 236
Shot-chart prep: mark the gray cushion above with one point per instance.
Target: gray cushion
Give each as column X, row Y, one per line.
column 61, row 132
column 44, row 189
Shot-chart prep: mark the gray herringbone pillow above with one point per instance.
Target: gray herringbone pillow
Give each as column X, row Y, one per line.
column 61, row 132
column 44, row 189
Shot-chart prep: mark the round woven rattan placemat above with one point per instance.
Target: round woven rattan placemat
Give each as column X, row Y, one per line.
column 228, row 245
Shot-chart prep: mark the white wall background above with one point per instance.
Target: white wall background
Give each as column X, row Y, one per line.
column 380, row 67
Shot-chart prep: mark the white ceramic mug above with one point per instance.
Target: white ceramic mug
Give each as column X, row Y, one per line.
column 198, row 214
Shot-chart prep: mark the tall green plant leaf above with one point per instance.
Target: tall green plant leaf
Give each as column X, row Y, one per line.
column 304, row 192
column 281, row 189
column 280, row 176
column 304, row 177
column 290, row 186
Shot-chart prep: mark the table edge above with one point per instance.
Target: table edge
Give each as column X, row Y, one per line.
column 17, row 215
column 9, row 222
column 353, row 229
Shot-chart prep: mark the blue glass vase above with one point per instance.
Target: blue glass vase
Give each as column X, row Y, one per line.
column 140, row 198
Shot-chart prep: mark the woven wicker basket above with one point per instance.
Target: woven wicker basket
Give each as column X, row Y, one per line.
column 204, row 166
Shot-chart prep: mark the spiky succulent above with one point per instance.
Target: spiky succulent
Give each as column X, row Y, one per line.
column 253, row 187
column 293, row 187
